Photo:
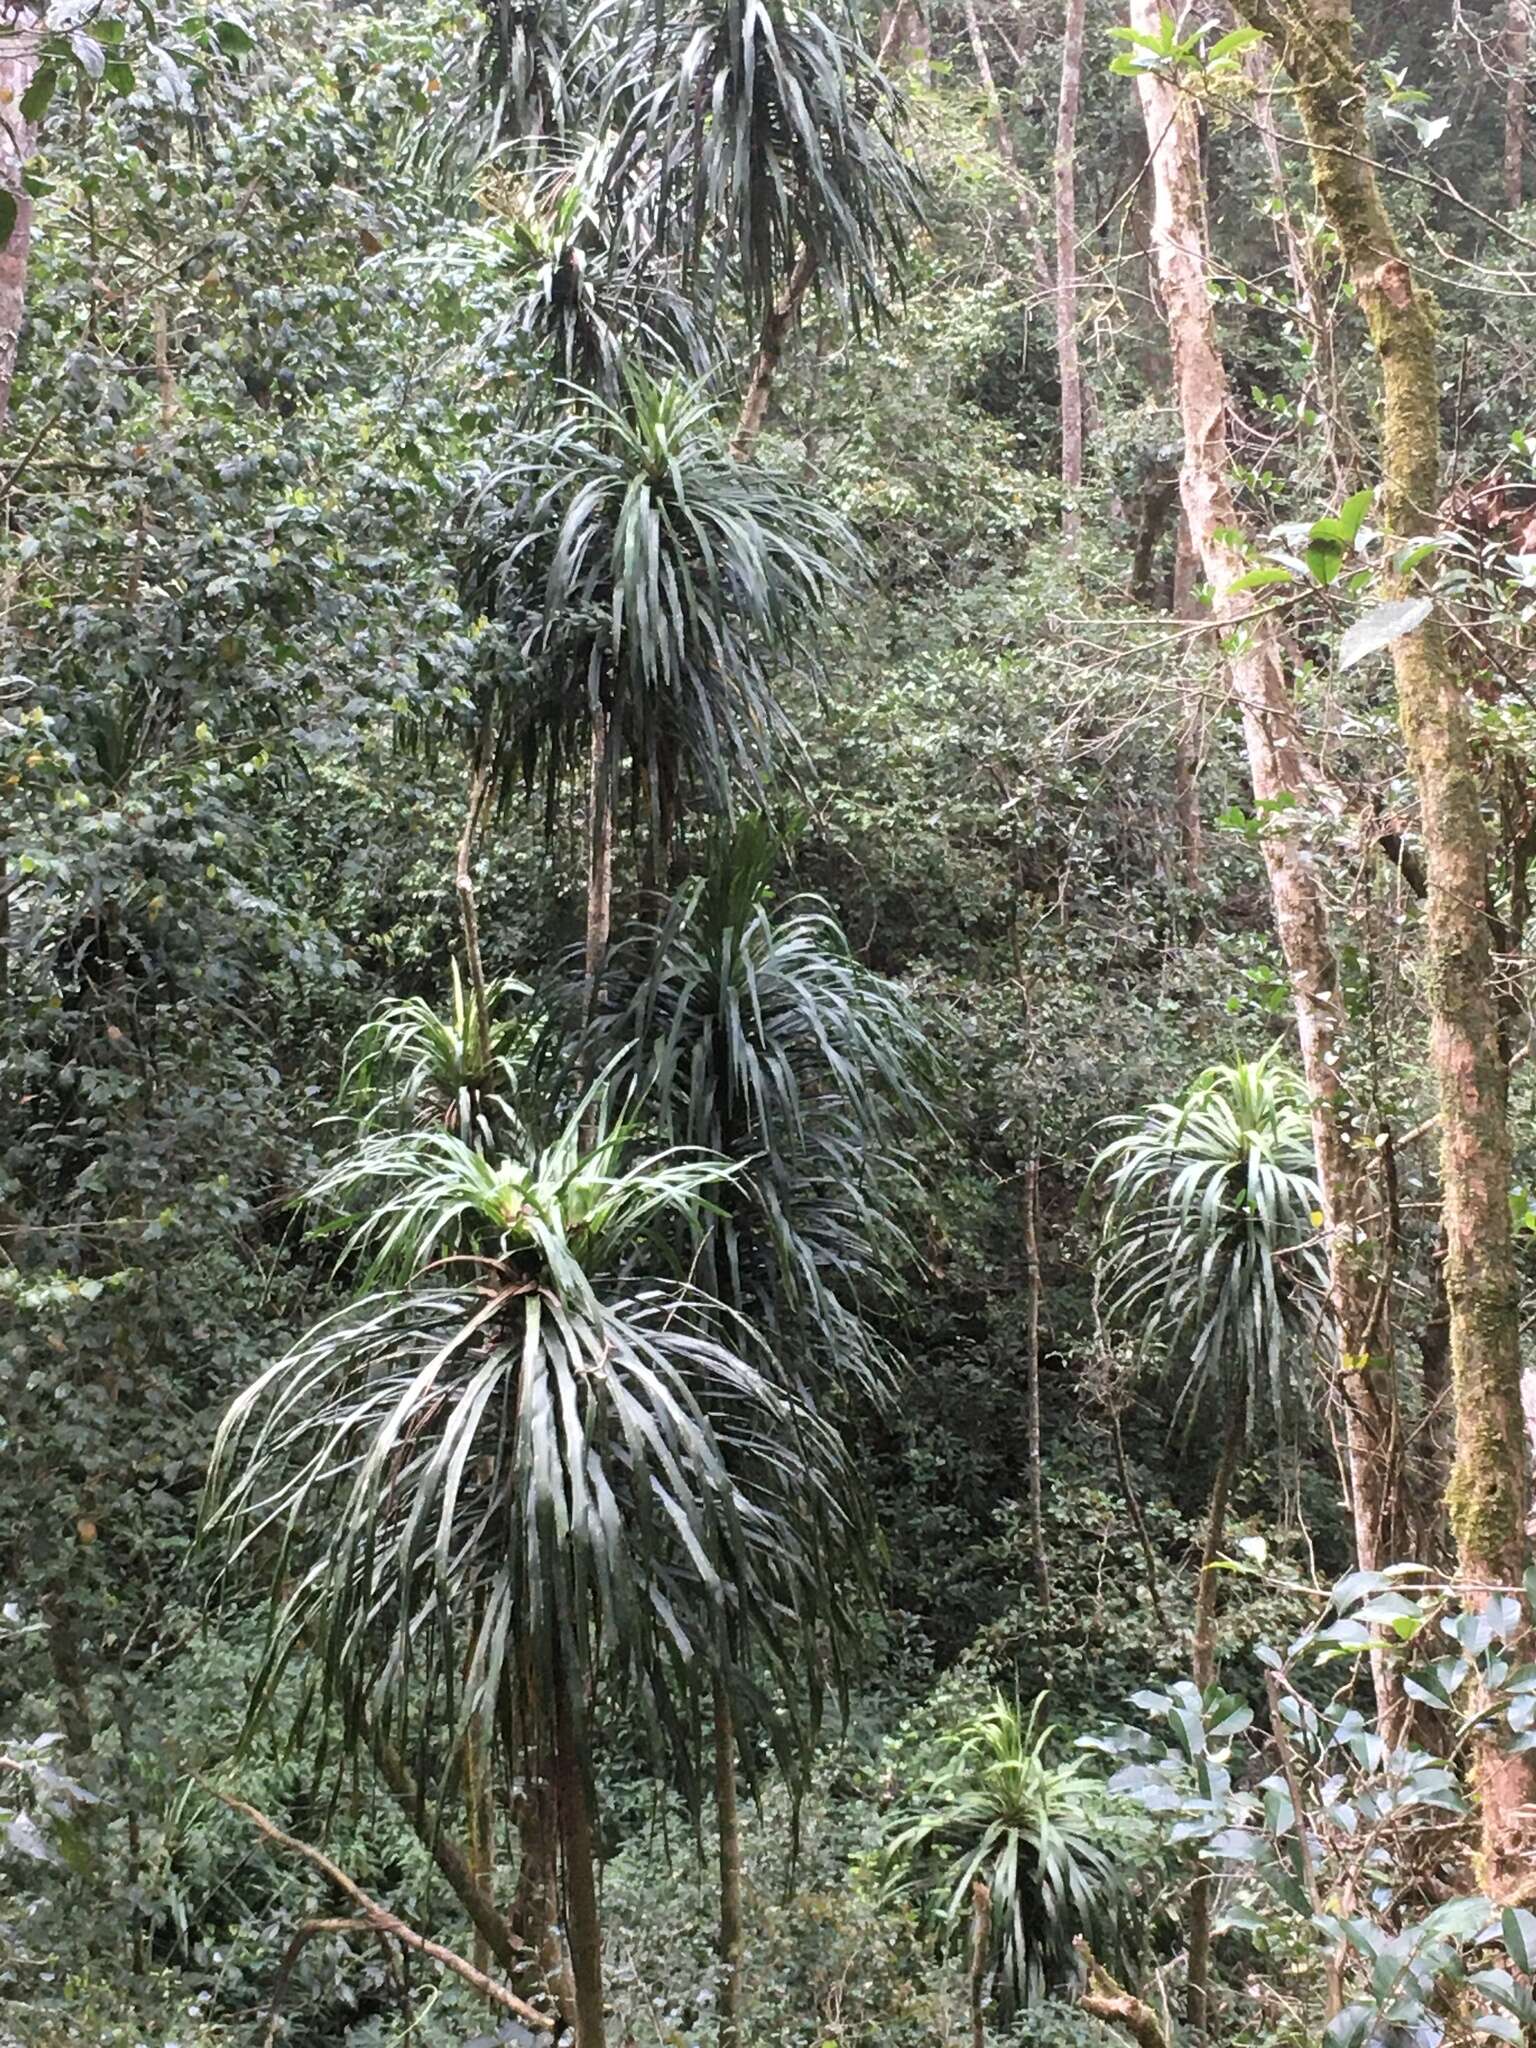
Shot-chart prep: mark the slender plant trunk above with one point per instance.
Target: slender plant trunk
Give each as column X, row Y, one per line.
column 1038, row 1556
column 1203, row 1651
column 981, row 1950
column 74, row 1706
column 1490, row 1485
column 579, row 1861
column 21, row 30
column 599, row 858
column 1197, row 2009
column 777, row 327
column 728, row 1825
column 1067, row 355
column 1517, row 59
column 1189, row 740
column 464, row 888
column 1279, row 773
column 535, row 1912
column 452, row 1863
column 479, row 1825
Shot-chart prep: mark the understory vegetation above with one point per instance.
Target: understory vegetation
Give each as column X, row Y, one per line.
column 767, row 800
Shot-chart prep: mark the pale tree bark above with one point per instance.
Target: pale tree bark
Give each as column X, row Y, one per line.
column 1490, row 1485
column 1068, row 357
column 1005, row 149
column 1517, row 59
column 21, row 27
column 1279, row 773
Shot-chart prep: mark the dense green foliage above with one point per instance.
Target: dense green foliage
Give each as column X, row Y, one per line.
column 569, row 1355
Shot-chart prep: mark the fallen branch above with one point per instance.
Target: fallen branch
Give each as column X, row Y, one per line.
column 379, row 1920
column 1106, row 2000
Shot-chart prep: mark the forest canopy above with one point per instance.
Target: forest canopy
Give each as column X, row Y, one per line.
column 767, row 815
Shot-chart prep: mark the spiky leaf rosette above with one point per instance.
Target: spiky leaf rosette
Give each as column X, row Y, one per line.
column 1213, row 1254
column 747, row 1029
column 763, row 133
column 638, row 567
column 413, row 1063
column 512, row 1474
column 1057, row 1855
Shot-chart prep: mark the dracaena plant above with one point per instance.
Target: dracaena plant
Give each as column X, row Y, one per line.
column 1212, row 1261
column 748, row 1030
column 1055, row 1855
column 414, row 1063
column 651, row 587
column 527, row 1474
column 759, row 136
column 746, row 1027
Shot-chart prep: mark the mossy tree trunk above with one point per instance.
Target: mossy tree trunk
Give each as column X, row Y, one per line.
column 1489, row 1490
column 1280, row 775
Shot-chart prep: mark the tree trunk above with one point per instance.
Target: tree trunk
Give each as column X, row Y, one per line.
column 1322, row 380
column 479, row 1825
column 1517, row 58
column 1189, row 741
column 464, row 887
column 578, row 1858
column 1032, row 1376
column 1490, row 1486
column 1279, row 774
column 535, row 1914
column 728, row 1824
column 777, row 327
column 1067, row 356
column 18, row 62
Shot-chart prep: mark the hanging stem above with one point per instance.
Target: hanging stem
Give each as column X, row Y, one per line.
column 778, row 323
column 981, row 1948
column 599, row 857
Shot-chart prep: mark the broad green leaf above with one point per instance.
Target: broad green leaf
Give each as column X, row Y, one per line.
column 1260, row 579
column 34, row 101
